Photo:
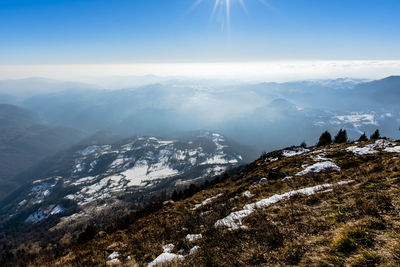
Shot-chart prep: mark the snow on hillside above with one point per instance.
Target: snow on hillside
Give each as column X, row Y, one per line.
column 319, row 167
column 234, row 220
column 102, row 172
column 40, row 214
column 294, row 152
column 366, row 150
column 166, row 256
column 206, row 201
column 395, row 149
column 386, row 145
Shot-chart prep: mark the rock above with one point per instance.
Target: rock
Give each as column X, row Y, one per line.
column 102, row 234
column 113, row 263
column 115, row 245
column 168, row 202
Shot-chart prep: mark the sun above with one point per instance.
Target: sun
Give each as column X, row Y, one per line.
column 221, row 4
column 225, row 7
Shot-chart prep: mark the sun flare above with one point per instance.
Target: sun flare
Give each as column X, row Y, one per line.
column 223, row 8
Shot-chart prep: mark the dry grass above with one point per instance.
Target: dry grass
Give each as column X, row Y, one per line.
column 352, row 225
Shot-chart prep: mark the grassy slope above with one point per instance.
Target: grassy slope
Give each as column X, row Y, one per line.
column 354, row 225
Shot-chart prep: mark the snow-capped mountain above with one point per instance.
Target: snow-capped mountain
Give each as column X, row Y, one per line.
column 102, row 176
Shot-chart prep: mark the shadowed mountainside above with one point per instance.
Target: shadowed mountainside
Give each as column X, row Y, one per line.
column 25, row 140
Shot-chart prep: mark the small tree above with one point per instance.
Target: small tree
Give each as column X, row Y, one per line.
column 363, row 138
column 375, row 135
column 175, row 196
column 325, row 139
column 303, row 144
column 341, row 137
column 87, row 234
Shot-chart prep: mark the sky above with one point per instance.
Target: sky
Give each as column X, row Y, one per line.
column 103, row 32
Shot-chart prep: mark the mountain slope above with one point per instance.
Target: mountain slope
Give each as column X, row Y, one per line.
column 336, row 205
column 80, row 185
column 385, row 91
column 24, row 141
column 27, row 87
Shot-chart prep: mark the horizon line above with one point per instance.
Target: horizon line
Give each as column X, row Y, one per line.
column 277, row 70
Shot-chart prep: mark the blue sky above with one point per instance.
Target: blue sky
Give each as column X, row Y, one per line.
column 157, row 31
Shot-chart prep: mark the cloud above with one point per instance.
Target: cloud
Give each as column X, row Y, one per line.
column 244, row 71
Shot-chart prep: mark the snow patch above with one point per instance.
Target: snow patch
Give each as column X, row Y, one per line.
column 168, row 248
column 88, row 150
column 23, row 202
column 165, row 256
column 382, row 143
column 371, row 148
column 57, row 209
column 83, row 180
column 319, row 167
column 193, row 250
column 234, row 220
column 193, row 237
column 294, row 152
column 262, row 180
column 35, row 217
column 395, row 149
column 219, row 159
column 362, row 150
column 204, row 213
column 247, row 194
column 320, row 157
column 142, row 172
column 205, row 202
column 113, row 257
column 271, row 159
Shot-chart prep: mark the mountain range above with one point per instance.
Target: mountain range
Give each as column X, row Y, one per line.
column 55, row 115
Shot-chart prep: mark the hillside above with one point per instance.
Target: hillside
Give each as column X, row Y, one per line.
column 329, row 206
column 25, row 140
column 98, row 182
column 384, row 91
